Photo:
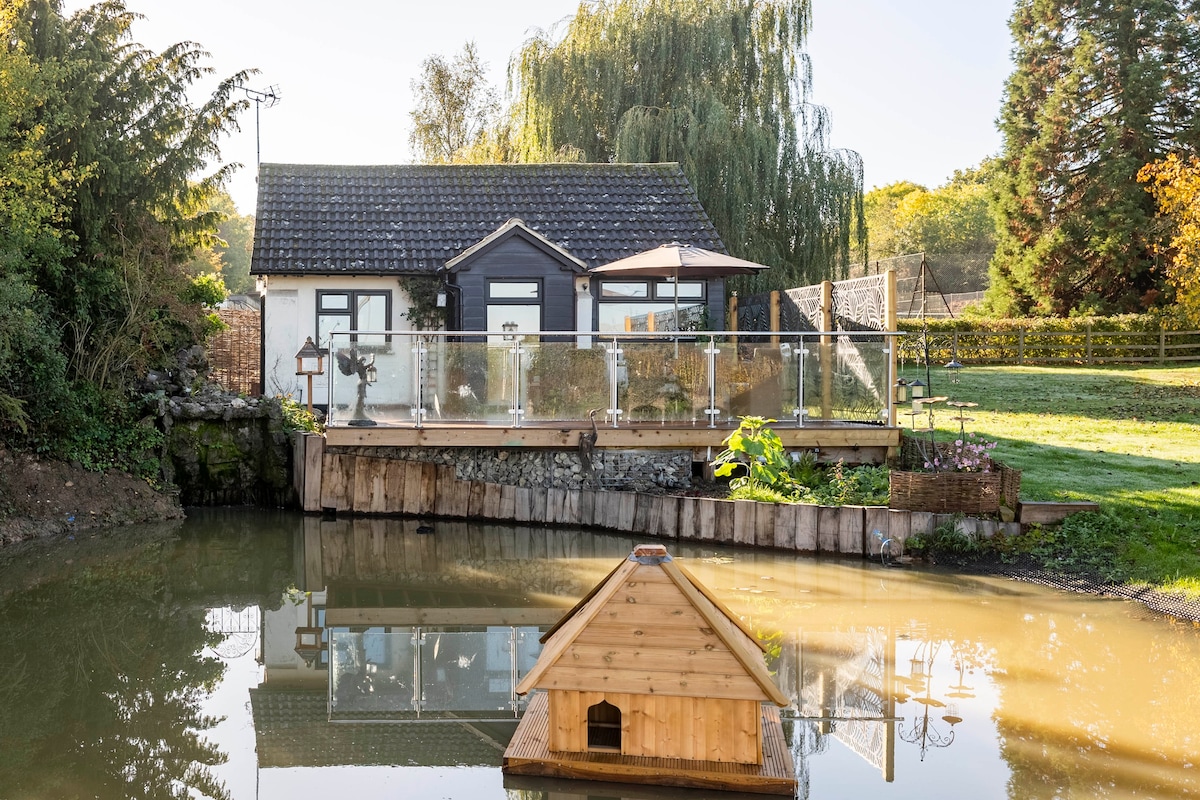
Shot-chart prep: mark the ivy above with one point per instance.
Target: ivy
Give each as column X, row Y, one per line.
column 423, row 310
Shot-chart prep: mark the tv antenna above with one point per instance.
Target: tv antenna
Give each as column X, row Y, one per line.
column 267, row 98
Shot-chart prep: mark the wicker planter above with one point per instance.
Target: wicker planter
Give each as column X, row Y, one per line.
column 954, row 492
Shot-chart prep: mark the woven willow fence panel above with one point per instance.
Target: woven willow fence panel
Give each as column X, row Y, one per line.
column 235, row 354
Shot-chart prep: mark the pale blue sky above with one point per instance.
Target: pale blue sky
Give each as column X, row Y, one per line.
column 912, row 85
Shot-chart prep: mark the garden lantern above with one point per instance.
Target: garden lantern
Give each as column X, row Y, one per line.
column 310, row 360
column 953, row 366
column 509, row 329
column 309, row 644
column 900, row 392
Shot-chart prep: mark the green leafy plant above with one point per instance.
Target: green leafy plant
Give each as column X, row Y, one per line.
column 772, row 476
column 946, row 539
column 207, row 289
column 423, row 310
column 760, row 451
column 807, row 471
column 758, row 492
column 843, row 486
column 297, row 417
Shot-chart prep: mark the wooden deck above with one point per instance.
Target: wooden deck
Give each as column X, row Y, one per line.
column 528, row 754
column 854, row 443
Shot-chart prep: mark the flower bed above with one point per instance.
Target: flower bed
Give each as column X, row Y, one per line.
column 945, row 492
column 950, row 491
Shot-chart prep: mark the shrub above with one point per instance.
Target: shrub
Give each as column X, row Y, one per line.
column 774, row 477
column 946, row 539
column 297, row 417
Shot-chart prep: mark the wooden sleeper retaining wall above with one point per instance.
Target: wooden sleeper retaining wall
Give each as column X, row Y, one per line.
column 355, row 484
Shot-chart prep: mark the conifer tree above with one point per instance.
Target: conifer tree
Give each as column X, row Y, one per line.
column 1099, row 90
column 720, row 86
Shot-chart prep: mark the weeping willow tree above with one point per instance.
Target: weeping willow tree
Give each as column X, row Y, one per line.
column 720, row 86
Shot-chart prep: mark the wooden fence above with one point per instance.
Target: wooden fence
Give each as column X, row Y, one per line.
column 234, row 354
column 1022, row 346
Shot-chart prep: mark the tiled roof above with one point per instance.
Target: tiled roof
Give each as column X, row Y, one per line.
column 292, row 729
column 413, row 219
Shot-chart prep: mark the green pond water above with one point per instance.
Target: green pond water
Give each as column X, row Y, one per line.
column 247, row 654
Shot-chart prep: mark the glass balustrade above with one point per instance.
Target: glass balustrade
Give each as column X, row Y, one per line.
column 623, row 379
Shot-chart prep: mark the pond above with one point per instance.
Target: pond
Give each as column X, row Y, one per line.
column 250, row 654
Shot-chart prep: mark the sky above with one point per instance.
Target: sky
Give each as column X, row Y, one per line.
column 913, row 85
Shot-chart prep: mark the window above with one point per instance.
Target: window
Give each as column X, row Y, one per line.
column 514, row 290
column 514, row 303
column 661, row 305
column 688, row 290
column 354, row 311
column 624, row 290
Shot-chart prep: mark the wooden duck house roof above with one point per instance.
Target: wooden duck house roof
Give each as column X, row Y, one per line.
column 651, row 628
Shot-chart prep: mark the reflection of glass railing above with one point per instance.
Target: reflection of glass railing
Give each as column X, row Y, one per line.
column 871, row 686
column 410, row 673
column 625, row 379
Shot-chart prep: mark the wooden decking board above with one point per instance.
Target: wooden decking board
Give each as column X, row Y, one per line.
column 528, row 754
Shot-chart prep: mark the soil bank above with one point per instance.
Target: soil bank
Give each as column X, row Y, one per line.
column 41, row 497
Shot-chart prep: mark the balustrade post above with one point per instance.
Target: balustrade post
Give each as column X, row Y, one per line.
column 712, row 411
column 826, row 363
column 614, row 355
column 419, row 351
column 515, row 353
column 801, row 359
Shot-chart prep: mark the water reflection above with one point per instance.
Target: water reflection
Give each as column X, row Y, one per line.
column 103, row 689
column 364, row 655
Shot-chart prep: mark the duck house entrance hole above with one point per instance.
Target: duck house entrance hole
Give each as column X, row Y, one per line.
column 604, row 727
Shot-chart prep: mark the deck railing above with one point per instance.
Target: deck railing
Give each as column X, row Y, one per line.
column 418, row 379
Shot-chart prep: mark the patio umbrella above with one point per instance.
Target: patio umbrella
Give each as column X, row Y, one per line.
column 679, row 262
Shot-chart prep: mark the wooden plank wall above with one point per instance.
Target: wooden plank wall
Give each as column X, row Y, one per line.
column 370, row 485
column 694, row 728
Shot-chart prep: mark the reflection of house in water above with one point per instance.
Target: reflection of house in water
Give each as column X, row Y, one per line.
column 871, row 689
column 392, row 626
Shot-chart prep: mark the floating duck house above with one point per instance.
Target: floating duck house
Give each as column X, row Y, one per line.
column 650, row 679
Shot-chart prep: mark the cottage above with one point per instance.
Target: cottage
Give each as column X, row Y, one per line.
column 382, row 248
column 650, row 679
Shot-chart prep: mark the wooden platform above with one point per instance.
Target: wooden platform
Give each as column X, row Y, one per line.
column 528, row 754
column 854, row 443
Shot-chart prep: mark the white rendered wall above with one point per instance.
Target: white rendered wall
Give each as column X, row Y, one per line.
column 290, row 315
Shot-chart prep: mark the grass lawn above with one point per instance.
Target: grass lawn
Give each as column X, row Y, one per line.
column 1126, row 437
